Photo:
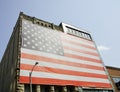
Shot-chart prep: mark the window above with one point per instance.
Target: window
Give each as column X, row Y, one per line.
column 58, row 88
column 45, row 88
column 117, row 82
column 78, row 33
column 27, row 88
column 70, row 88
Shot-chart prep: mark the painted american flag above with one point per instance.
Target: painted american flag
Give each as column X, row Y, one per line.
column 63, row 59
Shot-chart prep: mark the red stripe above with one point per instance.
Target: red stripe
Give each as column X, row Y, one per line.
column 81, row 51
column 61, row 71
column 51, row 81
column 76, row 38
column 78, row 44
column 82, row 58
column 46, row 59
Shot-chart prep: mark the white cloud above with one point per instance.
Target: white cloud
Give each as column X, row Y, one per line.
column 103, row 48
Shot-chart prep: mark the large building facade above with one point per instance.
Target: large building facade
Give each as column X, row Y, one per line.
column 44, row 57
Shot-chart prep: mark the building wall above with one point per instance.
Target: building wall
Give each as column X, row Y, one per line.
column 114, row 73
column 8, row 66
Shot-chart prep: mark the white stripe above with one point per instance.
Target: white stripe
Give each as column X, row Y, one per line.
column 79, row 47
column 62, row 76
column 81, row 54
column 54, row 56
column 81, row 41
column 60, row 66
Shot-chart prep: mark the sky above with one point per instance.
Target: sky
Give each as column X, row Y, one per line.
column 99, row 17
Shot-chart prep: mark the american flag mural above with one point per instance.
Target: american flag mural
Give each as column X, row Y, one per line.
column 63, row 59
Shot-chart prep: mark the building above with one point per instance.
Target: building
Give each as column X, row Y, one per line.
column 44, row 57
column 114, row 74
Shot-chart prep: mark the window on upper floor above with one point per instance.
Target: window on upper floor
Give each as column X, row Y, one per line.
column 117, row 82
column 78, row 33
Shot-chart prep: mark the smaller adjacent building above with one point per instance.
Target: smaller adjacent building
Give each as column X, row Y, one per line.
column 114, row 74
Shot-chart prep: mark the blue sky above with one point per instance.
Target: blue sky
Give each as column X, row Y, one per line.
column 100, row 17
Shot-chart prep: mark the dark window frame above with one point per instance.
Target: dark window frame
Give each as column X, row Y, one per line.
column 78, row 33
column 116, row 80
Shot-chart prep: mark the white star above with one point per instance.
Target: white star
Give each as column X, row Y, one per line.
column 39, row 37
column 25, row 39
column 32, row 30
column 25, row 33
column 28, row 31
column 36, row 44
column 28, row 42
column 43, row 46
column 32, row 35
column 36, row 38
column 35, row 33
column 40, row 48
column 28, row 36
column 33, row 47
column 33, row 40
column 25, row 45
column 24, row 27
